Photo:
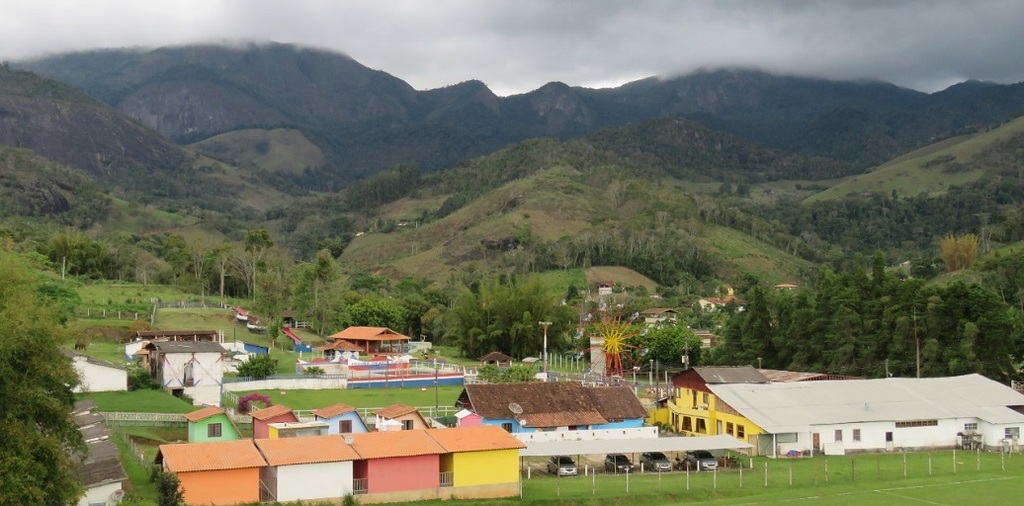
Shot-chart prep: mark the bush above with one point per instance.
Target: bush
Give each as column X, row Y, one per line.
column 313, row 371
column 258, row 367
column 252, row 402
column 140, row 379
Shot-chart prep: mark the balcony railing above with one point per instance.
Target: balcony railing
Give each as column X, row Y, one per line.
column 447, row 479
column 360, row 486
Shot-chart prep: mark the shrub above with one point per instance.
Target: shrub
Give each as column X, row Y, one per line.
column 252, row 402
column 258, row 367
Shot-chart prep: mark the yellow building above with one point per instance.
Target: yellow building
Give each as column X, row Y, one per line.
column 695, row 411
column 482, row 460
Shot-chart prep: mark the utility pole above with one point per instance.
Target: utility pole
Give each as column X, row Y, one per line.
column 545, row 325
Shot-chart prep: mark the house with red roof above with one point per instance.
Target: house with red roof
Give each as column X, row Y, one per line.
column 374, row 340
column 261, row 419
column 307, row 468
column 341, row 419
column 226, row 472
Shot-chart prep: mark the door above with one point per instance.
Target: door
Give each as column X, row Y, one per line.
column 817, row 442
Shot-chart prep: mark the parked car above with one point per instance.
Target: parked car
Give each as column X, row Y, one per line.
column 655, row 461
column 618, row 463
column 701, row 460
column 561, row 465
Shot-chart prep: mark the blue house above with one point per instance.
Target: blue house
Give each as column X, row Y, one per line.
column 340, row 419
column 546, row 406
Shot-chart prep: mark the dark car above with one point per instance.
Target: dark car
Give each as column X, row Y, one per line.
column 701, row 460
column 655, row 461
column 561, row 465
column 618, row 463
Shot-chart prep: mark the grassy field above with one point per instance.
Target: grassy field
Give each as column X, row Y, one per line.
column 140, row 401
column 851, row 480
column 362, row 397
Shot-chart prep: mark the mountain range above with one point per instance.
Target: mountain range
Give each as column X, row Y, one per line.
column 266, row 134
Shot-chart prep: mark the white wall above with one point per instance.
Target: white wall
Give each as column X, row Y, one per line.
column 314, row 481
column 99, row 494
column 305, row 383
column 588, row 435
column 209, row 395
column 208, row 369
column 872, row 436
column 99, row 378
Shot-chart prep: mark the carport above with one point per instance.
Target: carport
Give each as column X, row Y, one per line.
column 633, row 446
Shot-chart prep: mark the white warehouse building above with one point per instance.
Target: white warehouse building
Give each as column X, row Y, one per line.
column 836, row 417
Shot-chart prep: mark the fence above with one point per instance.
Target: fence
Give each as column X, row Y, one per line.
column 114, row 314
column 927, row 477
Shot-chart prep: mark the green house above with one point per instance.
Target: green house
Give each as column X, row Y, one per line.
column 211, row 424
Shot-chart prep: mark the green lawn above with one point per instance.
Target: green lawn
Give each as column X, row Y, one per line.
column 139, row 401
column 362, row 397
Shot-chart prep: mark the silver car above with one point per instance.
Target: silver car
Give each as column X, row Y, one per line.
column 562, row 465
column 655, row 461
column 701, row 460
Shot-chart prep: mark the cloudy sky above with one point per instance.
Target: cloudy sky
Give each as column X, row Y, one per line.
column 518, row 45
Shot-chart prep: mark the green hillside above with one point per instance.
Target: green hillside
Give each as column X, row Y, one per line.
column 933, row 169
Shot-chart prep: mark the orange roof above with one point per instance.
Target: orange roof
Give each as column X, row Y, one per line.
column 333, row 411
column 394, row 411
column 370, row 334
column 190, row 457
column 270, row 412
column 475, row 439
column 203, row 414
column 401, row 443
column 341, row 345
column 306, row 450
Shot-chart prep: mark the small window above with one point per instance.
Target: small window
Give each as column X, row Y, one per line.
column 702, row 426
column 407, row 425
column 888, row 437
column 839, row 435
column 856, row 434
column 687, row 424
column 917, row 423
column 507, row 426
column 344, row 426
column 971, row 426
column 728, row 428
column 1012, row 432
column 213, row 430
column 740, row 432
column 706, row 398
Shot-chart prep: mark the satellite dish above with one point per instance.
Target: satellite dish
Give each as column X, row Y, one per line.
column 117, row 496
column 515, row 408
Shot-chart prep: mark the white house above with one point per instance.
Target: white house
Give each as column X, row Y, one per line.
column 192, row 368
column 97, row 375
column 307, row 468
column 842, row 416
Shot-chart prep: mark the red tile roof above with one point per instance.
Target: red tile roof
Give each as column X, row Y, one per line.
column 394, row 411
column 203, row 414
column 402, row 443
column 190, row 457
column 270, row 412
column 333, row 411
column 369, row 334
column 341, row 345
column 475, row 439
column 306, row 450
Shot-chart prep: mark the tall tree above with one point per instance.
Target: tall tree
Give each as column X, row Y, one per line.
column 36, row 399
column 257, row 242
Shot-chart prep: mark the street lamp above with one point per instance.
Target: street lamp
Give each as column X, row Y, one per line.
column 545, row 325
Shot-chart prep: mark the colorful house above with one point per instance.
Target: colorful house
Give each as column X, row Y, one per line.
column 215, row 473
column 410, row 454
column 696, row 411
column 261, row 419
column 552, row 406
column 296, row 429
column 341, row 419
column 306, row 469
column 374, row 340
column 482, row 461
column 399, row 417
column 211, row 424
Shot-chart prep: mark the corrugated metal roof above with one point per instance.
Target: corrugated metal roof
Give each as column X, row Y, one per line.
column 475, row 439
column 306, row 450
column 791, row 407
column 402, row 443
column 186, row 347
column 190, row 457
column 605, row 446
column 333, row 411
column 270, row 412
column 730, row 374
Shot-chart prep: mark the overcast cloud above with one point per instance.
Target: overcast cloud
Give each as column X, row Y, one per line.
column 519, row 45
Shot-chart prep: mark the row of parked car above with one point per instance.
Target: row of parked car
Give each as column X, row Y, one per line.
column 697, row 460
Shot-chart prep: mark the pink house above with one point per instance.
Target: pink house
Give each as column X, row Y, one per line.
column 467, row 418
column 261, row 420
column 410, row 454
